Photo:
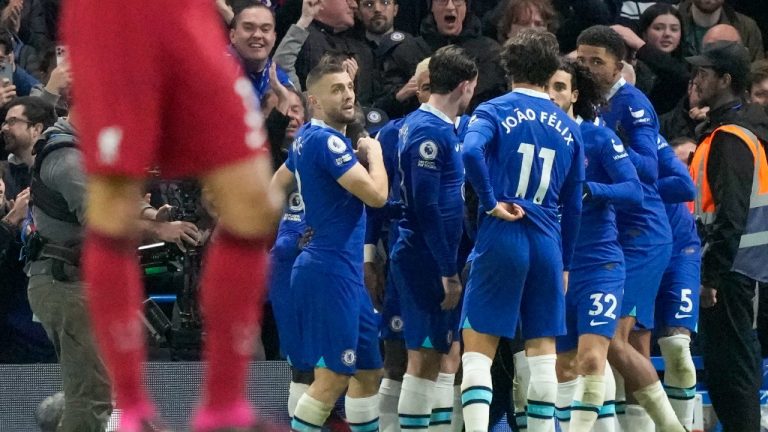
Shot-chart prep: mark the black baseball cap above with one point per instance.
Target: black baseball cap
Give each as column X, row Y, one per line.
column 725, row 56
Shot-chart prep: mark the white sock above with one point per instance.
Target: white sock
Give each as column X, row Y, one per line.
column 457, row 424
column 520, row 389
column 362, row 413
column 310, row 414
column 565, row 392
column 679, row 376
column 476, row 391
column 638, row 420
column 655, row 402
column 621, row 402
column 295, row 390
column 542, row 393
column 389, row 395
column 587, row 402
column 415, row 406
column 442, row 406
column 606, row 421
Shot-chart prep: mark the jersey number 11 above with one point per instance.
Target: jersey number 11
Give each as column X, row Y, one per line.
column 548, row 155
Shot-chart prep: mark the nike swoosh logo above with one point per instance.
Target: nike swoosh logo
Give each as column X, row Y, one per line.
column 678, row 316
column 594, row 323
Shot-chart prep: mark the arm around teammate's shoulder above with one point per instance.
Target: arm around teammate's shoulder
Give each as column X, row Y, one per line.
column 369, row 185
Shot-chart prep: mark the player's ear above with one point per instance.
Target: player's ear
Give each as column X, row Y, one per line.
column 574, row 96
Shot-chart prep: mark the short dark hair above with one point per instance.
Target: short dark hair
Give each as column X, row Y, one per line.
column 448, row 67
column 241, row 5
column 590, row 96
column 321, row 70
column 36, row 110
column 531, row 56
column 677, row 142
column 603, row 37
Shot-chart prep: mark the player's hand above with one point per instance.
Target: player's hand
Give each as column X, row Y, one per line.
column 374, row 283
column 509, row 212
column 708, row 297
column 368, row 149
column 350, row 65
column 180, row 233
column 305, row 238
column 407, row 91
column 60, row 79
column 309, row 10
column 452, row 288
column 7, row 91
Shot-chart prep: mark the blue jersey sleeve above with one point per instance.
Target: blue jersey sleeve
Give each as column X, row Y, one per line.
column 570, row 198
column 337, row 156
column 480, row 132
column 426, row 165
column 675, row 184
column 625, row 188
column 638, row 119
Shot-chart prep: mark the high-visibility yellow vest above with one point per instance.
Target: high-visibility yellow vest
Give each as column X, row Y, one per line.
column 752, row 257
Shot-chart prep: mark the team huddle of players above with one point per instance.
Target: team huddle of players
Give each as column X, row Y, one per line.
column 583, row 246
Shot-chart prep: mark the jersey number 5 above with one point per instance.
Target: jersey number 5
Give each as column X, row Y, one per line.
column 548, row 155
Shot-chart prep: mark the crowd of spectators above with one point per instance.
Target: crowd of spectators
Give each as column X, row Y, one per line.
column 380, row 43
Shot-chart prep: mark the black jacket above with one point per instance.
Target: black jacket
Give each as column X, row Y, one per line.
column 669, row 80
column 409, row 53
column 322, row 39
column 677, row 123
column 730, row 170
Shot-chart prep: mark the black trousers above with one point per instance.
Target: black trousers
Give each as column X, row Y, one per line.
column 732, row 359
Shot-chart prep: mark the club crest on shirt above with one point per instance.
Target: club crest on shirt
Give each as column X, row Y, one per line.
column 396, row 323
column 349, row 357
column 336, row 144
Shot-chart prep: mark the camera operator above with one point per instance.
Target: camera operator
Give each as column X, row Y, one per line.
column 55, row 288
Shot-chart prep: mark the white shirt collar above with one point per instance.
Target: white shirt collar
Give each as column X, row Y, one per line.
column 318, row 122
column 531, row 93
column 439, row 114
column 619, row 84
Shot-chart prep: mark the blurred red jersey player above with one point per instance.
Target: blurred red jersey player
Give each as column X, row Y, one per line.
column 153, row 87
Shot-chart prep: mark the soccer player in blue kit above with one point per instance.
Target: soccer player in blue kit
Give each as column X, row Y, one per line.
column 596, row 278
column 424, row 257
column 338, row 332
column 525, row 159
column 677, row 304
column 644, row 231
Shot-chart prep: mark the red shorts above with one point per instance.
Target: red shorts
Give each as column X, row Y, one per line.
column 152, row 86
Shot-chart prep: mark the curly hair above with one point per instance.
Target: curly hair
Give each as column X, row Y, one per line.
column 590, row 97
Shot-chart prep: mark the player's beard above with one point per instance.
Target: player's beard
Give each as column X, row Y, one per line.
column 342, row 117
